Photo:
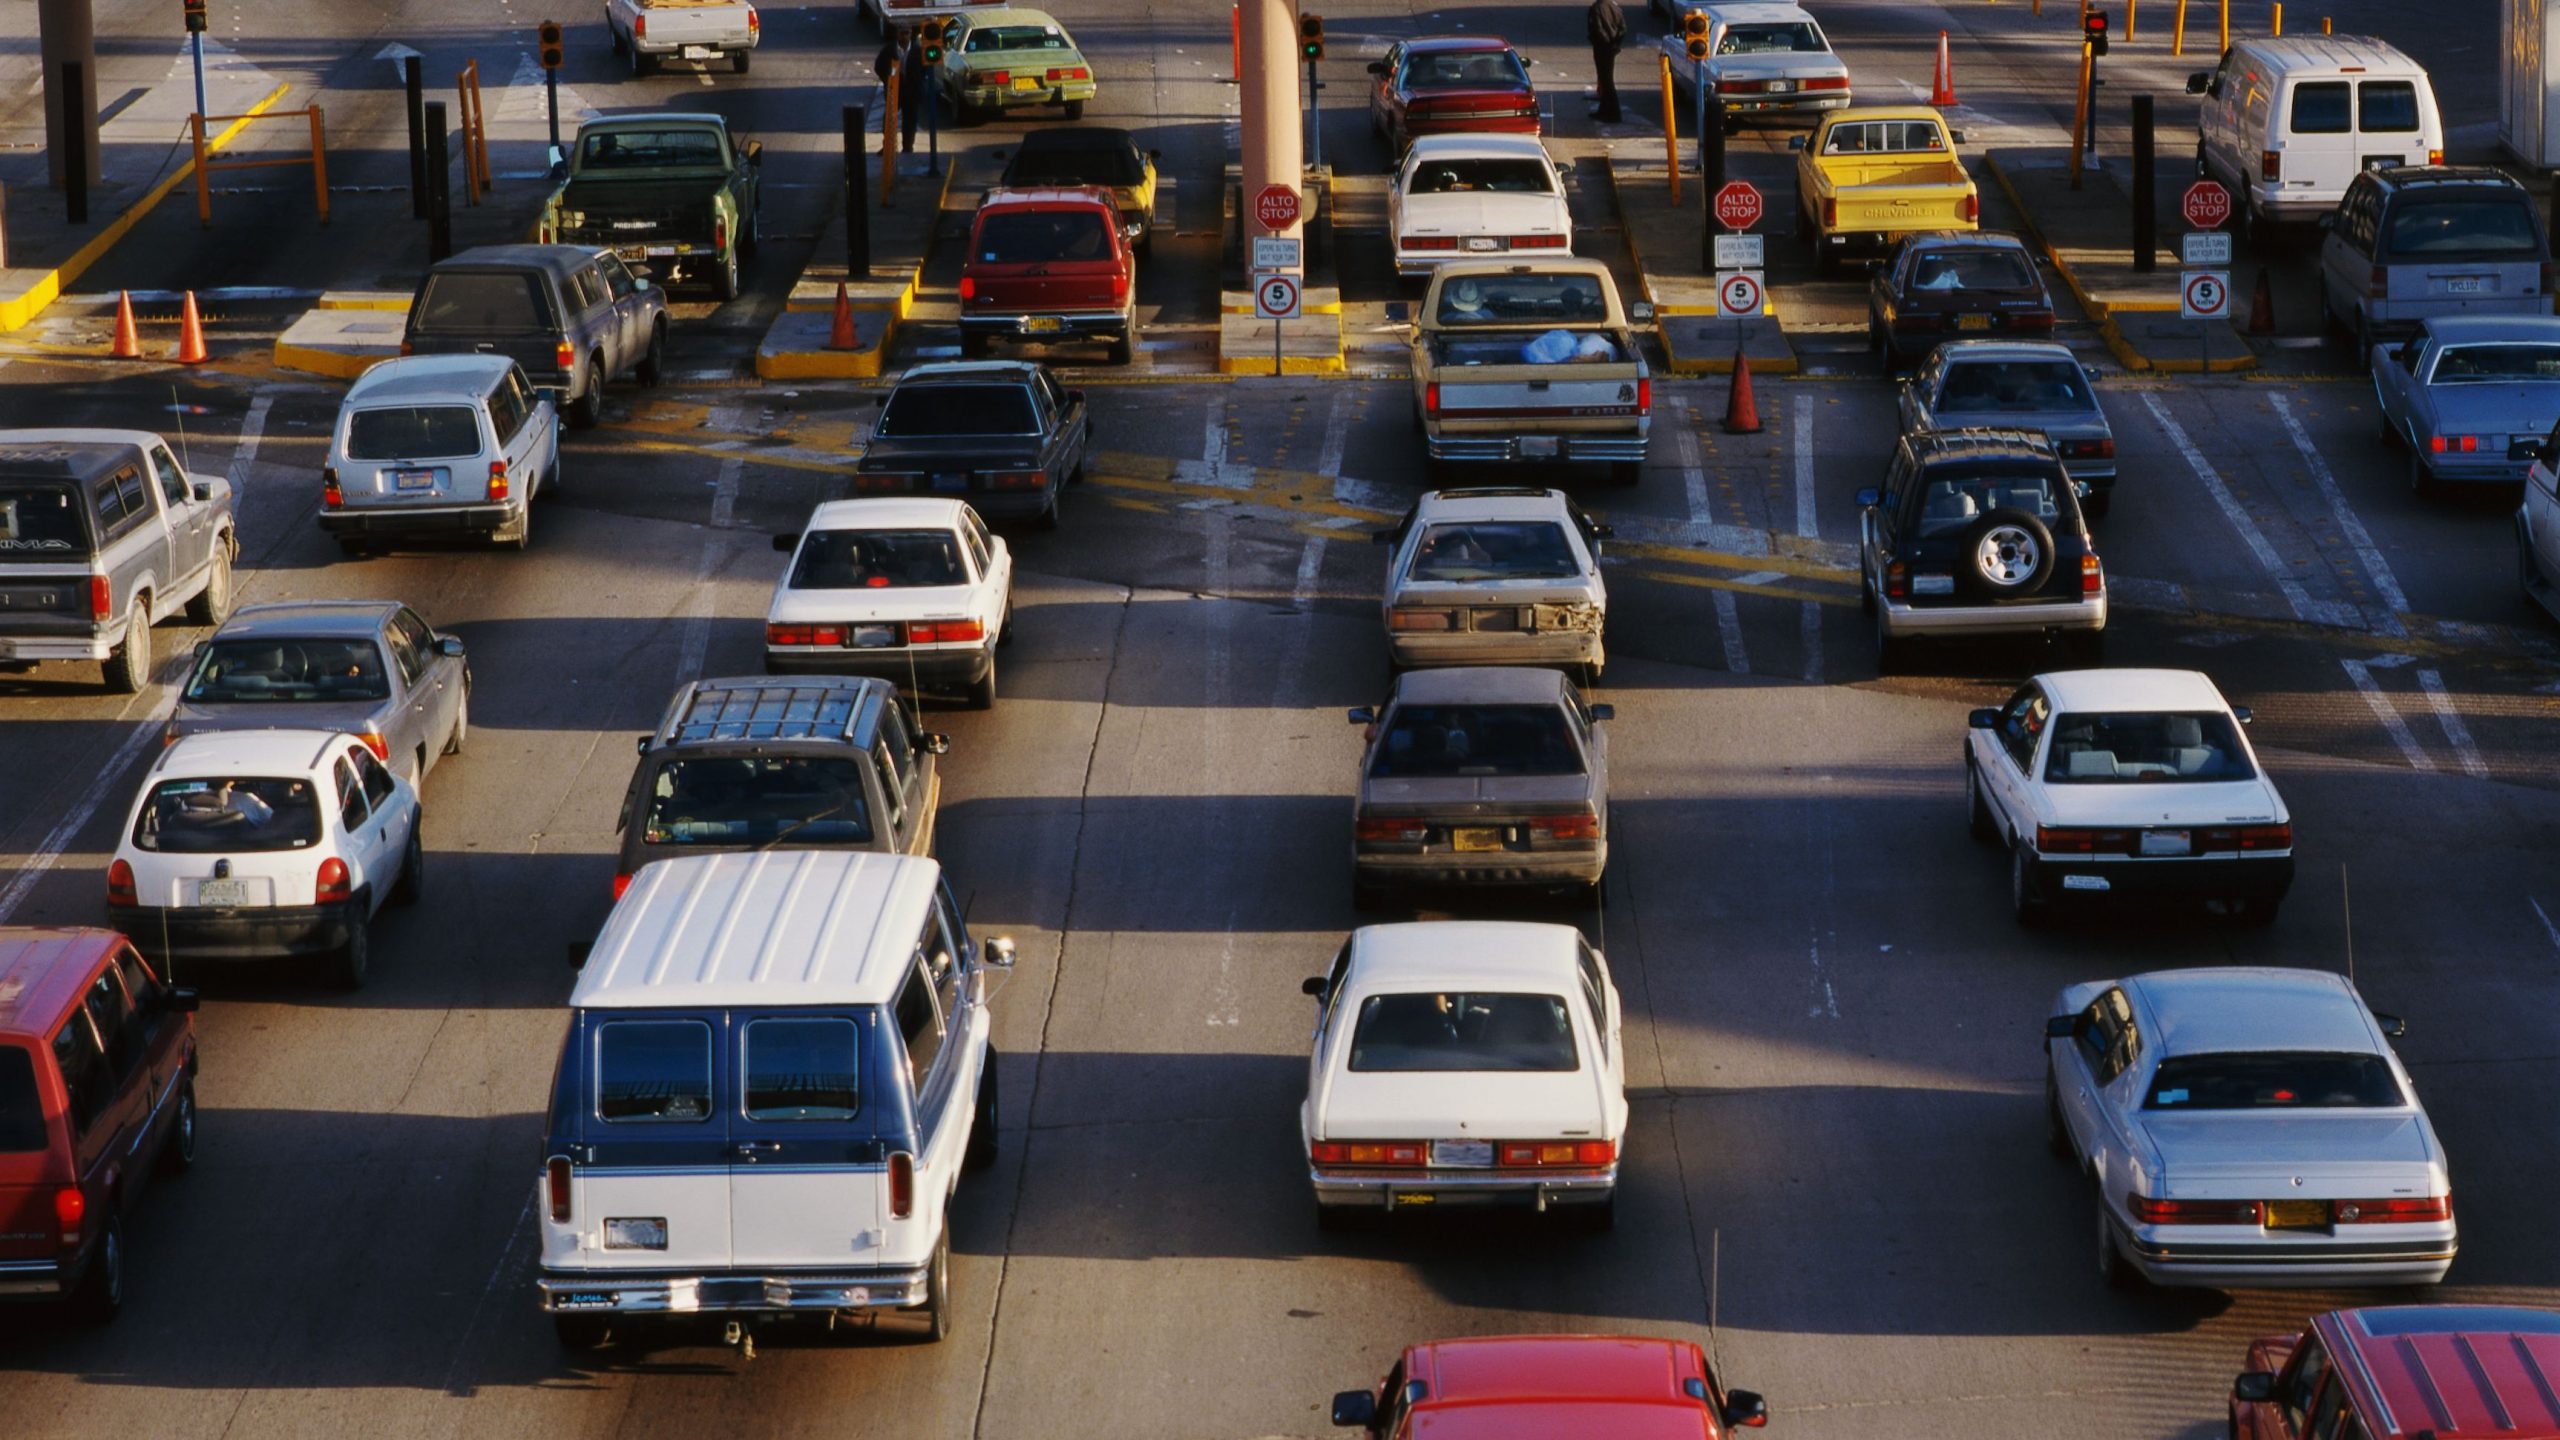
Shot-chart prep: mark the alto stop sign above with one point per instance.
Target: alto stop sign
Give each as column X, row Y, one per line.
column 2207, row 205
column 1275, row 207
column 1738, row 205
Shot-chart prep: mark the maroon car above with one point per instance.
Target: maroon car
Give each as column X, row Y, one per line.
column 1049, row 265
column 1444, row 84
column 1955, row 285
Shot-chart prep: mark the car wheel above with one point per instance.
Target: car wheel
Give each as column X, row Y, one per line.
column 413, row 868
column 582, row 1332
column 653, row 365
column 522, row 535
column 613, row 38
column 2385, row 431
column 1075, row 109
column 348, row 967
column 1004, row 626
column 2057, row 1135
column 751, row 239
column 555, row 481
column 739, row 60
column 100, row 1297
column 461, row 735
column 1882, row 347
column 1047, row 519
column 2422, row 482
column 2007, row 553
column 212, row 604
column 2024, row 902
column 935, row 1312
column 1866, row 594
column 726, row 286
column 588, row 408
column 1891, row 651
column 641, row 64
column 2364, row 345
column 1120, row 350
column 982, row 691
column 2528, row 578
column 982, row 1126
column 129, row 669
column 178, row 1152
column 2112, row 1266
column 1977, row 812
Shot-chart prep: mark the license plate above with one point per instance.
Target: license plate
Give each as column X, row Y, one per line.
column 222, row 892
column 2165, row 842
column 1537, row 447
column 1475, row 838
column 1502, row 618
column 1027, row 85
column 2297, row 1214
column 2382, row 162
column 1480, row 242
column 657, row 252
column 1040, row 325
column 650, row 1234
column 1973, row 322
column 2465, row 284
column 951, row 482
column 874, row 637
column 1933, row 584
column 413, row 479
column 702, row 52
column 582, row 1300
column 1782, row 87
column 1411, row 1199
column 2084, row 882
column 1462, row 1152
column 632, row 252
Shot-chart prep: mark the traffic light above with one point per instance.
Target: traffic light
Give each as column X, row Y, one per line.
column 1693, row 25
column 195, row 16
column 1310, row 37
column 931, row 34
column 552, row 55
column 2093, row 30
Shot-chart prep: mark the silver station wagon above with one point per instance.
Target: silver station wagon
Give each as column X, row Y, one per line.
column 432, row 446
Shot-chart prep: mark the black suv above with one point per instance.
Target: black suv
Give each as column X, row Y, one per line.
column 2410, row 243
column 572, row 317
column 1978, row 532
column 796, row 763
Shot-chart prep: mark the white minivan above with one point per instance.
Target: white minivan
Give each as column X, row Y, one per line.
column 2288, row 122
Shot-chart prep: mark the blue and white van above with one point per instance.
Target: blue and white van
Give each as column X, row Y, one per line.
column 777, row 1067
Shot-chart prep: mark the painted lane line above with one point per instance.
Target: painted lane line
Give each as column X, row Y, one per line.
column 2376, row 569
column 1337, row 433
column 1212, row 467
column 2451, row 719
column 2238, row 518
column 724, row 493
column 1729, row 627
column 1807, row 528
column 50, row 849
column 2387, row 713
column 1693, row 479
column 694, row 640
column 1310, row 563
column 1760, row 577
column 2547, row 927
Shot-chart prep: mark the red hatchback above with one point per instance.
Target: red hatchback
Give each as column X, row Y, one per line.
column 97, row 1084
column 1445, row 84
column 1049, row 265
column 1516, row 1387
column 2396, row 1372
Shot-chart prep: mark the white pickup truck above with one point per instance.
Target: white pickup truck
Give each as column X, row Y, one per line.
column 1531, row 362
column 654, row 31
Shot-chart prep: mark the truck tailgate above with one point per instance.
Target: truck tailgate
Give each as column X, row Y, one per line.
column 695, row 22
column 43, row 605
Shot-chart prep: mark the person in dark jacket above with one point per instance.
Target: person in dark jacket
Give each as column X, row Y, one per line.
column 885, row 66
column 911, row 96
column 1606, row 25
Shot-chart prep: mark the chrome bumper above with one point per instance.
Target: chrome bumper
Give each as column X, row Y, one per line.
column 1431, row 1188
column 1902, row 619
column 879, row 1287
column 57, row 648
column 1513, row 647
column 34, row 1279
column 2275, row 1266
column 1482, row 867
column 1511, row 448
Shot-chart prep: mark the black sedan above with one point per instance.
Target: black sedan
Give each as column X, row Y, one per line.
column 1001, row 434
column 1955, row 285
column 1092, row 155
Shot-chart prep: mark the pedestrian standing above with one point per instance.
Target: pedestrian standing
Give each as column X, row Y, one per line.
column 911, row 98
column 885, row 66
column 1606, row 25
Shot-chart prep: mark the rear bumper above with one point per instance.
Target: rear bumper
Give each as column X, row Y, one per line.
column 1511, row 448
column 1421, row 265
column 2476, row 469
column 2226, row 877
column 1417, row 126
column 423, row 520
column 244, row 934
column 22, row 1280
column 1512, row 647
column 999, row 98
column 58, row 647
column 1485, row 868
column 1877, row 244
column 1434, row 1189
column 927, row 668
column 1017, row 325
column 732, row 1292
column 1950, row 621
column 724, row 45
column 2165, row 1259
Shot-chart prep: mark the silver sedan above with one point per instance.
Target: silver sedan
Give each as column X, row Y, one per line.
column 369, row 668
column 2246, row 1127
column 2018, row 385
column 2470, row 396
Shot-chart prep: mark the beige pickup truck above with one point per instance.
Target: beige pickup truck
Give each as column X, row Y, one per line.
column 1531, row 362
column 1870, row 175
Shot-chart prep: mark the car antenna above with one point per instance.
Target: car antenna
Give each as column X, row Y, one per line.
column 1715, row 1278
column 185, row 461
column 2347, row 904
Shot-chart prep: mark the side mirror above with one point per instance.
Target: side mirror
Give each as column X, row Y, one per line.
column 1075, row 397
column 997, row 952
column 1362, row 715
column 2255, row 1388
column 202, row 491
column 643, row 746
column 1745, row 1408
column 1795, row 142
column 1955, row 136
column 449, row 646
column 1312, row 985
column 179, row 999
column 2392, row 1026
column 2328, row 221
column 1983, row 719
column 1375, row 67
column 1640, row 311
column 2525, row 450
column 1526, row 62
column 1355, row 1407
column 578, row 953
column 755, row 152
column 2199, row 81
column 786, row 542
column 1870, row 498
column 2090, row 371
column 1604, row 712
column 934, row 742
column 1602, row 532
column 2240, row 713
column 2061, row 1027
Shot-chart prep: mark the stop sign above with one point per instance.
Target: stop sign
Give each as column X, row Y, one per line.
column 1276, row 207
column 1738, row 205
column 2207, row 205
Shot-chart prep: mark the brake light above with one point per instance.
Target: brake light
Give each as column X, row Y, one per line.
column 2090, row 449
column 902, row 1185
column 804, row 634
column 333, row 881
column 1431, row 242
column 878, row 481
column 374, row 741
column 1017, row 479
column 1824, row 82
column 2378, row 285
column 1564, row 827
column 120, row 884
column 1830, row 212
column 1431, row 399
column 331, row 497
column 2192, row 1212
column 2271, row 166
column 100, row 597
column 1971, row 210
column 998, row 77
column 755, row 22
column 1897, row 580
column 2266, row 837
column 1644, row 396
column 2454, row 444
column 2071, row 840
column 2092, row 577
column 968, row 287
column 621, row 883
column 1537, row 242
column 1369, row 1152
column 720, row 232
column 639, row 27
column 1120, row 284
column 2394, row 1211
column 2435, row 157
column 946, row 632
column 498, row 488
column 1741, row 87
column 1392, row 832
column 70, row 1207
column 555, row 1181
column 565, row 357
column 1076, row 73
column 1402, row 618
column 1557, row 1152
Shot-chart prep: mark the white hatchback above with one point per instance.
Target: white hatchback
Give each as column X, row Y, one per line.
column 1475, row 197
column 915, row 591
column 1465, row 1063
column 250, row 844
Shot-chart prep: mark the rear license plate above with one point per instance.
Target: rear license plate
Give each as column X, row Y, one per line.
column 951, row 482
column 2297, row 1214
column 702, row 52
column 1933, row 584
column 1503, row 618
column 650, row 1234
column 1537, row 447
column 1462, row 1152
column 1475, row 838
column 1027, row 85
column 874, row 637
column 2165, row 842
column 1040, row 325
column 1782, row 87
column 413, row 479
column 2382, row 162
column 632, row 252
column 2084, row 882
column 222, row 892
column 2465, row 284
column 657, row 252
column 1416, row 1199
column 1973, row 322
column 1480, row 242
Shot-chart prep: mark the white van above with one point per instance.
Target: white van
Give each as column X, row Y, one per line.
column 2286, row 123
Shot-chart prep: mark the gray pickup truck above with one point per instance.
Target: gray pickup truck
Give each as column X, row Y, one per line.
column 674, row 191
column 102, row 534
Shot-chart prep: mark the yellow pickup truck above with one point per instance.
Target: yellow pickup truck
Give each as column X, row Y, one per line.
column 1869, row 175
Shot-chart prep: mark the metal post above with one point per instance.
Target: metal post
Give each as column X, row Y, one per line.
column 195, row 41
column 320, row 162
column 75, row 156
column 2178, row 31
column 2226, row 28
column 1711, row 176
column 857, row 196
column 1315, row 122
column 2146, row 198
column 551, row 102
column 439, row 186
column 204, row 186
column 2080, row 112
column 413, row 76
column 1275, row 344
column 1671, row 131
column 1705, row 87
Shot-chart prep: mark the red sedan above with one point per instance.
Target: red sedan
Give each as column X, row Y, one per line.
column 1517, row 1387
column 1444, row 84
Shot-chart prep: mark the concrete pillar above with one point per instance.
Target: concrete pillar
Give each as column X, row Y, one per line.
column 69, row 34
column 1274, row 143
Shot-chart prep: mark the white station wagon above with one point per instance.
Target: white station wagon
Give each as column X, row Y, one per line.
column 439, row 446
column 1463, row 1062
column 778, row 1064
column 915, row 591
column 1475, row 197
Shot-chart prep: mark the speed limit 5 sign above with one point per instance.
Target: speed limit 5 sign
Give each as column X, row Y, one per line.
column 2205, row 295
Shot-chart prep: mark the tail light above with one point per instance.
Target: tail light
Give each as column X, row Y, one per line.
column 2395, row 1211
column 1402, row 618
column 565, row 357
column 639, row 27
column 1537, row 242
column 2245, row 838
column 1564, row 827
column 2073, row 840
column 1644, row 396
column 720, row 233
column 968, row 287
column 2271, row 166
column 331, row 497
column 1741, row 87
column 1017, row 479
column 1971, row 210
column 946, row 632
column 1830, row 212
column 1897, row 580
column 1431, row 242
column 1557, row 1152
column 2093, row 577
column 2435, row 157
column 882, row 482
column 1119, row 284
column 498, row 487
column 555, row 1183
column 621, row 883
column 70, row 1207
column 100, row 597
column 2454, row 444
column 755, row 22
column 2090, row 449
column 2378, row 284
column 406, row 348
column 998, row 78
column 902, row 1185
column 804, row 635
column 1431, row 399
column 120, row 884
column 2192, row 1212
column 1392, row 832
column 1369, row 1152
column 333, row 884
column 1074, row 73
column 374, row 741
column 1824, row 82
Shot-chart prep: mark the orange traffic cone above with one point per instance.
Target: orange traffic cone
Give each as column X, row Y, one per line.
column 1942, row 90
column 2262, row 307
column 128, row 342
column 841, row 337
column 190, row 333
column 1741, row 412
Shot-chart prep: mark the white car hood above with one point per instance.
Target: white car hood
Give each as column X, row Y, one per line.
column 1468, row 1105
column 2135, row 802
column 1479, row 213
column 921, row 602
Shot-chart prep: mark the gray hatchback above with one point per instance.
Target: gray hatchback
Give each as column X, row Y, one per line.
column 368, row 668
column 2413, row 242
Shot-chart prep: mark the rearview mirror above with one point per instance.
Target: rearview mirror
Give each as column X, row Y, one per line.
column 180, row 999
column 1312, row 985
column 1604, row 712
column 787, row 542
column 997, row 952
column 2199, row 81
column 1375, row 67
column 2061, row 1027
column 1640, row 311
column 202, row 491
column 1745, row 1408
column 2254, row 1388
column 1955, row 136
column 1355, row 1407
column 934, row 742
column 1868, row 499
column 1362, row 715
column 578, row 953
column 1983, row 719
column 2392, row 1026
column 2240, row 713
column 449, row 646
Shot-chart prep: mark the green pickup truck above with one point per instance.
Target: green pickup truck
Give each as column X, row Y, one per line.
column 674, row 192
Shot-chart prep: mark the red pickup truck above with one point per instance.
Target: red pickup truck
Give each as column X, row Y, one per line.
column 1513, row 1387
column 1049, row 265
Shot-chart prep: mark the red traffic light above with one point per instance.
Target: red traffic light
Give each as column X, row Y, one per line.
column 194, row 10
column 2093, row 22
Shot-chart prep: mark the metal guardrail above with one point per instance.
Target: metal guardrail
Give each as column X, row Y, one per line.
column 318, row 159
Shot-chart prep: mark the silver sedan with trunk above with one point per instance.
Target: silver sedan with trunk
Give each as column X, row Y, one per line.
column 1496, row 575
column 368, row 668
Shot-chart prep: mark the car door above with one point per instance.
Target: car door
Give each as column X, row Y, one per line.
column 1920, row 395
column 125, row 1040
column 190, row 521
column 133, row 539
column 592, row 326
column 2345, row 274
column 652, row 1177
column 2009, row 779
column 359, row 826
column 1876, row 525
column 630, row 310
column 1327, row 1004
column 442, row 682
column 395, row 814
column 409, row 720
column 2083, row 1065
column 808, row 1178
column 937, row 1046
column 899, row 765
column 161, row 1030
column 97, row 1110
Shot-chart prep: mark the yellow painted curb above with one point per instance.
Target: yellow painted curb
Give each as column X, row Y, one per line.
column 363, row 300
column 824, row 364
column 1723, row 365
column 904, row 301
column 2104, row 312
column 17, row 310
column 339, row 364
column 1289, row 365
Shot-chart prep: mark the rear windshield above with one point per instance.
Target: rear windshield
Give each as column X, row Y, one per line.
column 1076, row 165
column 21, row 1112
column 1952, row 500
column 41, row 522
column 231, row 814
column 2492, row 364
column 413, row 432
column 1494, row 550
column 1886, row 137
column 2387, row 107
column 1483, row 175
column 251, row 670
column 1038, row 237
column 994, row 39
column 2019, row 385
column 481, row 300
column 878, row 560
column 649, row 149
column 1497, row 69
column 800, row 800
column 803, row 1069
column 1795, row 38
column 653, row 1070
column 1972, row 269
column 1463, row 1031
column 2473, row 226
column 916, row 410
column 1422, row 741
column 2285, row 1080
column 1523, row 300
column 2145, row 747
column 2320, row 108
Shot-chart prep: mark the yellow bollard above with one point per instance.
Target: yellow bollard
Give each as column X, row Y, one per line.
column 2129, row 7
column 1671, row 130
column 2276, row 25
column 2178, row 31
column 2324, row 24
column 2226, row 28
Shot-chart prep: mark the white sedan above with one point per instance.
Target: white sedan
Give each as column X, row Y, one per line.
column 1766, row 58
column 2246, row 1126
column 1465, row 1063
column 2135, row 783
column 1498, row 575
column 1472, row 197
column 251, row 844
column 915, row 591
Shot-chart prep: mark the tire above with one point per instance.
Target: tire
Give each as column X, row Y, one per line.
column 588, row 408
column 1047, row 519
column 739, row 61
column 982, row 1126
column 2024, row 903
column 578, row 1333
column 2113, row 1270
column 613, row 37
column 2005, row 553
column 641, row 65
column 129, row 669
column 2364, row 345
column 212, row 604
column 1891, row 653
column 2422, row 482
column 1075, row 109
column 725, row 285
column 974, row 347
column 1120, row 350
column 349, row 966
column 413, row 869
column 653, row 365
column 178, row 1152
column 1004, row 627
column 935, row 1312
column 751, row 238
column 523, row 536
column 555, row 482
column 2057, row 1135
column 2528, row 575
column 982, row 691
column 1977, row 813
column 1626, row 474
column 1883, row 348
column 100, row 1297
column 461, row 736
